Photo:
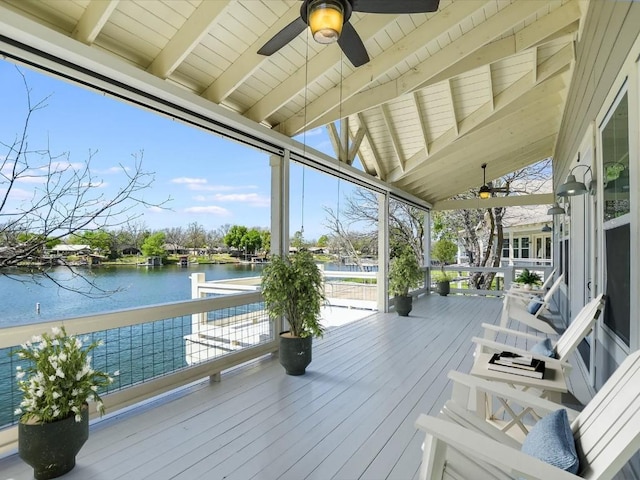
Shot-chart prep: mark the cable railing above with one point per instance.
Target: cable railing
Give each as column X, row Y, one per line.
column 155, row 349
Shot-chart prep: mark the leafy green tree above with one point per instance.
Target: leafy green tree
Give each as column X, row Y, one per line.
column 233, row 238
column 153, row 246
column 251, row 241
column 266, row 240
column 99, row 240
column 297, row 241
column 323, row 241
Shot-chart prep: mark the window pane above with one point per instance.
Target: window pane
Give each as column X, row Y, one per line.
column 615, row 157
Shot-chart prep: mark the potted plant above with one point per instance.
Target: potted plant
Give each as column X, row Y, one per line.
column 56, row 380
column 404, row 274
column 444, row 251
column 528, row 278
column 293, row 289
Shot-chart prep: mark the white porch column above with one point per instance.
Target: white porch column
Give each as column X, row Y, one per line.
column 279, row 215
column 510, row 248
column 383, row 252
column 279, row 204
column 426, row 248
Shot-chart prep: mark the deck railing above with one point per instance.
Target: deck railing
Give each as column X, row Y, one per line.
column 504, row 277
column 153, row 348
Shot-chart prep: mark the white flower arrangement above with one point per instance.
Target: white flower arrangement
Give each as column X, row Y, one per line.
column 59, row 380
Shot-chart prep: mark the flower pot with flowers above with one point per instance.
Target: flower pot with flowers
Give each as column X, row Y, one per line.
column 56, row 381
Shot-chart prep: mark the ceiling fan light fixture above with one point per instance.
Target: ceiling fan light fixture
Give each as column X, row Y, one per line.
column 326, row 18
column 484, row 192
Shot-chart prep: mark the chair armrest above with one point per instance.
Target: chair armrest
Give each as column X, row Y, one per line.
column 542, row 406
column 484, row 449
column 488, row 327
column 491, row 346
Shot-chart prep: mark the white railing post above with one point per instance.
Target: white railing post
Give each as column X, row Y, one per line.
column 197, row 319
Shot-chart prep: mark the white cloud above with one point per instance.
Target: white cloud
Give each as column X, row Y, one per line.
column 252, row 199
column 155, row 209
column 189, row 181
column 213, row 209
column 18, row 194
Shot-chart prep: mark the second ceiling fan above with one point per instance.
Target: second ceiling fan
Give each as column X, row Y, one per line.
column 329, row 22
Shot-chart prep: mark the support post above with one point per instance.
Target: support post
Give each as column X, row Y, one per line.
column 383, row 252
column 426, row 247
column 279, row 213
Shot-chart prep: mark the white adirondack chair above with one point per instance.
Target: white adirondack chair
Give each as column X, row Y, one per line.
column 513, row 308
column 565, row 344
column 606, row 432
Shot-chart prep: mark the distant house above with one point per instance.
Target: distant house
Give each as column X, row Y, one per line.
column 66, row 250
column 130, row 250
column 175, row 249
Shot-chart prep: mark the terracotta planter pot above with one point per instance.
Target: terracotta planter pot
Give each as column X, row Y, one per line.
column 295, row 353
column 51, row 448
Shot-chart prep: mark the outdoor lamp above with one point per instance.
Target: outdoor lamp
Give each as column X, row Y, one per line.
column 571, row 187
column 546, row 228
column 556, row 210
column 326, row 18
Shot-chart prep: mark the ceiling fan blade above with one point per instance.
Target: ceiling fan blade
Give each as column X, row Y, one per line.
column 395, row 6
column 352, row 45
column 283, row 37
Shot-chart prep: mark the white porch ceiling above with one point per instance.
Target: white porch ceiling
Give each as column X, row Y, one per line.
column 479, row 81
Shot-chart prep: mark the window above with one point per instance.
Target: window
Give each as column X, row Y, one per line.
column 615, row 161
column 505, row 248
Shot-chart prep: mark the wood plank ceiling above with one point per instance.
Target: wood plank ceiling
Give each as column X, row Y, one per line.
column 478, row 81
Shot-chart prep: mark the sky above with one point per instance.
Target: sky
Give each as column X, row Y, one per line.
column 209, row 180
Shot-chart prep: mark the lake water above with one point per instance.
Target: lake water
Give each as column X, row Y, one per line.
column 138, row 287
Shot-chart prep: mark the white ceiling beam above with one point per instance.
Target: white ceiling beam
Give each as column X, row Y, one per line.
column 356, row 141
column 187, row 38
column 375, row 169
column 452, row 105
column 245, row 65
column 93, row 20
column 509, row 201
column 479, row 117
column 437, row 186
column 454, row 62
column 437, row 25
column 490, row 86
column 334, row 137
column 421, row 121
column 519, row 133
column 317, row 66
column 516, row 131
column 393, row 134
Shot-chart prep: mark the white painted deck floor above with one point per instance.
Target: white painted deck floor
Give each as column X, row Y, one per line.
column 350, row 417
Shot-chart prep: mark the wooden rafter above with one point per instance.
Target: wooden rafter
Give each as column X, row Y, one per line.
column 93, row 20
column 450, row 60
column 187, row 38
column 393, row 134
column 364, row 76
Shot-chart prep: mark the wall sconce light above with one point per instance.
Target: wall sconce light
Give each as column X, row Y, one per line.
column 546, row 228
column 571, row 187
column 556, row 210
column 326, row 18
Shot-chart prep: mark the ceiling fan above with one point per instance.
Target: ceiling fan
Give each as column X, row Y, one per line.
column 486, row 189
column 329, row 22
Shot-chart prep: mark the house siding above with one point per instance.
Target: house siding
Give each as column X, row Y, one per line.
column 611, row 28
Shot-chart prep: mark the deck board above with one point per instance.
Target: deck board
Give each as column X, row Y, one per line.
column 351, row 416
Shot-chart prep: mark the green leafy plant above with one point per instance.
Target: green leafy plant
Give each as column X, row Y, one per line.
column 404, row 273
column 59, row 380
column 293, row 288
column 528, row 278
column 444, row 251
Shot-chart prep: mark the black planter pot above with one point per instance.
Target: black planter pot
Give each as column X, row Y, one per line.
column 51, row 448
column 403, row 304
column 443, row 288
column 295, row 353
